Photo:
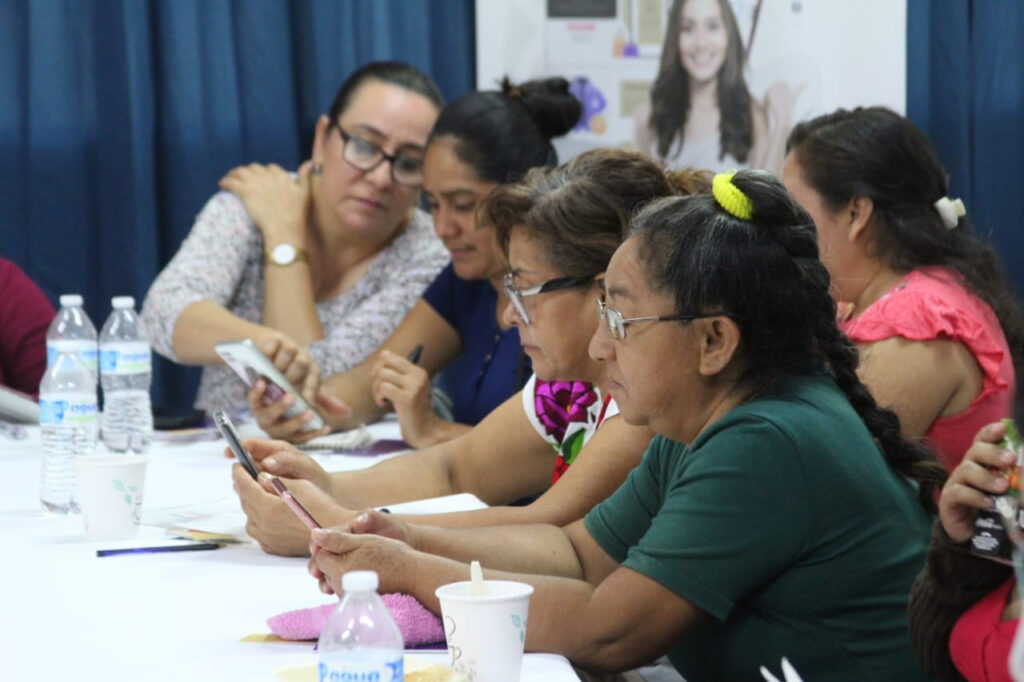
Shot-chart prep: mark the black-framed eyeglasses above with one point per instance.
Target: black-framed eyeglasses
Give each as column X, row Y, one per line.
column 516, row 295
column 365, row 156
column 617, row 323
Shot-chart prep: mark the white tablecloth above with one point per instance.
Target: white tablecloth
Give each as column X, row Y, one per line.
column 66, row 614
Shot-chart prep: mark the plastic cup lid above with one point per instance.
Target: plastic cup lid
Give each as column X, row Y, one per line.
column 359, row 581
column 70, row 300
column 122, row 302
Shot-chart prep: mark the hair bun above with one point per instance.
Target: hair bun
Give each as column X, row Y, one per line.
column 689, row 180
column 553, row 108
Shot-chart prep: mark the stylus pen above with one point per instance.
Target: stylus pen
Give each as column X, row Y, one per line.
column 194, row 547
column 414, row 356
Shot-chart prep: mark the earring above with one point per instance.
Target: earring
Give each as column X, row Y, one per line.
column 318, row 168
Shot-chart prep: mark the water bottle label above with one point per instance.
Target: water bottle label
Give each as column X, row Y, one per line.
column 340, row 669
column 85, row 349
column 129, row 357
column 67, row 409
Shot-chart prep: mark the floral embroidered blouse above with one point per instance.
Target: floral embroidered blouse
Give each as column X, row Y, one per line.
column 566, row 414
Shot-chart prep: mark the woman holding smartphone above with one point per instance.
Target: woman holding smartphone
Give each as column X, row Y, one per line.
column 778, row 511
column 314, row 268
column 480, row 141
column 560, row 437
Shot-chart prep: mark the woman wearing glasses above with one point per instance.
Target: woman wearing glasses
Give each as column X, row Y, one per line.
column 482, row 140
column 576, row 216
column 318, row 267
column 778, row 512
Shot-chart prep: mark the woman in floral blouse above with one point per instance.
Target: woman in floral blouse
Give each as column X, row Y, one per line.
column 558, row 227
column 317, row 267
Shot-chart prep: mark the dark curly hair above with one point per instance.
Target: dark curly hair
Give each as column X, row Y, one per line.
column 670, row 94
column 789, row 328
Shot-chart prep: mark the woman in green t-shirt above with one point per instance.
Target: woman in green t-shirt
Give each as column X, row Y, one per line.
column 779, row 512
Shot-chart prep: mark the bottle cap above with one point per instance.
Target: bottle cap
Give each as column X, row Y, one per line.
column 360, row 581
column 70, row 300
column 122, row 302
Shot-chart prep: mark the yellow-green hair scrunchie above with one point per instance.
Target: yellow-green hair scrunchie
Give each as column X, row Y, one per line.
column 730, row 197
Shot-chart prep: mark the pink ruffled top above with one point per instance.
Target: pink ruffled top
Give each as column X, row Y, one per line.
column 928, row 304
column 981, row 640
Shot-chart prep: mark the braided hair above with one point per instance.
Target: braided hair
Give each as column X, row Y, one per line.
column 789, row 328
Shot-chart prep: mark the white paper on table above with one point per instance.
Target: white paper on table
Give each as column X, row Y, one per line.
column 439, row 505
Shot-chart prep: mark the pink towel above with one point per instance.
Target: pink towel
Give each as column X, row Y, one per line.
column 418, row 625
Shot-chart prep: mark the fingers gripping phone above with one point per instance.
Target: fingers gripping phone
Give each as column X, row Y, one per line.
column 227, row 429
column 250, row 364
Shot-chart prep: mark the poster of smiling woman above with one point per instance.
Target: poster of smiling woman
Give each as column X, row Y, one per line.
column 715, row 84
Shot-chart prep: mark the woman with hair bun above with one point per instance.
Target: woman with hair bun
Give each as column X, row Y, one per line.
column 559, row 439
column 777, row 512
column 921, row 295
column 481, row 141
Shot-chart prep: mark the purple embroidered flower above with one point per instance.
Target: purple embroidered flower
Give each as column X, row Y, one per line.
column 560, row 403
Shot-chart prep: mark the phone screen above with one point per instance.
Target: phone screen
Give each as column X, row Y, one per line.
column 227, row 429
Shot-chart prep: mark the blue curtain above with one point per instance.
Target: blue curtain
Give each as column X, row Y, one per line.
column 965, row 88
column 117, row 118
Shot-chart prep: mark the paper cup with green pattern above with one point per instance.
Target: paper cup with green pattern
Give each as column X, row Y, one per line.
column 486, row 633
column 110, row 494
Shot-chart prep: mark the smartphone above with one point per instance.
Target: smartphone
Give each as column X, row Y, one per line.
column 250, row 364
column 227, row 429
column 294, row 504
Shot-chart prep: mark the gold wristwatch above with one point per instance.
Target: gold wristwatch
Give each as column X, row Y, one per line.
column 285, row 254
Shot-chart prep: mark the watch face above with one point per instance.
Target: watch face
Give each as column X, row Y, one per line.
column 283, row 254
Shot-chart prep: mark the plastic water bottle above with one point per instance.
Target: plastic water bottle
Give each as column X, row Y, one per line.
column 72, row 332
column 67, row 420
column 360, row 641
column 125, row 373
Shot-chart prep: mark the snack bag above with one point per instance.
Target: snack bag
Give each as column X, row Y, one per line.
column 991, row 539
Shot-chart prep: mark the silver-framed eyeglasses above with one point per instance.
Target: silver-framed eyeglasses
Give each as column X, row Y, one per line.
column 617, row 323
column 365, row 156
column 516, row 295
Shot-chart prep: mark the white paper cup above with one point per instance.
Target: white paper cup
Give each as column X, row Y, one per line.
column 110, row 494
column 486, row 634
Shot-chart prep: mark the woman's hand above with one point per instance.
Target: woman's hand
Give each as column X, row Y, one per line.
column 970, row 485
column 269, row 520
column 299, row 367
column 336, row 551
column 281, row 459
column 406, row 386
column 276, row 203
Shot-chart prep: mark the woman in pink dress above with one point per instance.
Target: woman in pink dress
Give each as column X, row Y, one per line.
column 920, row 294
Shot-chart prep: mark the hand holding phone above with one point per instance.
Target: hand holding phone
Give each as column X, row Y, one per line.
column 294, row 504
column 227, row 429
column 250, row 364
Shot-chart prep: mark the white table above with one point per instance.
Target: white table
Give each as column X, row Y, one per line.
column 66, row 614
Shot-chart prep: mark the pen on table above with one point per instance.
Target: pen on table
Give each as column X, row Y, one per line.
column 414, row 356
column 194, row 547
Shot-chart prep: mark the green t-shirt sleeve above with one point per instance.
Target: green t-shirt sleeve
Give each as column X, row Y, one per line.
column 623, row 518
column 732, row 515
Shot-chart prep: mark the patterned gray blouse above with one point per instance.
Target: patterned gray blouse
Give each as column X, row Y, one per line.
column 222, row 260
